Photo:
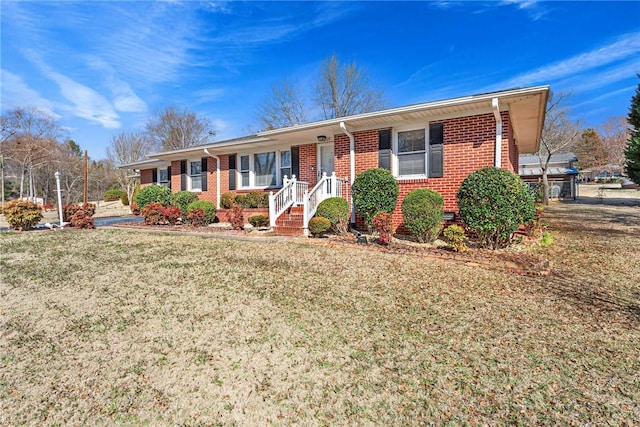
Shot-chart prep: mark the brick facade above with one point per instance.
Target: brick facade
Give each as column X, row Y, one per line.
column 469, row 144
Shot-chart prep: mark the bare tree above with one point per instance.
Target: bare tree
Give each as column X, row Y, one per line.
column 341, row 90
column 283, row 107
column 559, row 135
column 127, row 147
column 30, row 144
column 344, row 90
column 615, row 134
column 173, row 129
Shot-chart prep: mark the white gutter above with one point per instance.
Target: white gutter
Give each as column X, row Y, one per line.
column 217, row 176
column 352, row 165
column 496, row 114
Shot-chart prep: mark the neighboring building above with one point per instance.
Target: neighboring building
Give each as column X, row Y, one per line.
column 431, row 145
column 561, row 174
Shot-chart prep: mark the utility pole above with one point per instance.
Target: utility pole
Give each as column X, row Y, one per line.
column 85, row 176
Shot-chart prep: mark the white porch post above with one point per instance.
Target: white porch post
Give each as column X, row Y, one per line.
column 334, row 184
column 305, row 212
column 272, row 208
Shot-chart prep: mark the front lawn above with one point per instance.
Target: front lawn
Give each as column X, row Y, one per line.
column 112, row 326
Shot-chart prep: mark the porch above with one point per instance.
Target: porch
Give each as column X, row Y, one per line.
column 291, row 208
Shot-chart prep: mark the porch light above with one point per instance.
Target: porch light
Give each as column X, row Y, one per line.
column 321, row 138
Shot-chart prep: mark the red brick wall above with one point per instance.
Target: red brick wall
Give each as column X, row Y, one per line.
column 175, row 176
column 308, row 164
column 146, row 177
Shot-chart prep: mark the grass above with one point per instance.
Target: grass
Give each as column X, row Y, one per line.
column 109, row 326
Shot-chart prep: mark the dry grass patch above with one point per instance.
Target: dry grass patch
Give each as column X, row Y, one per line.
column 113, row 326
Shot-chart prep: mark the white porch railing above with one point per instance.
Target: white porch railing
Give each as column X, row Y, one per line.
column 328, row 186
column 294, row 193
column 291, row 193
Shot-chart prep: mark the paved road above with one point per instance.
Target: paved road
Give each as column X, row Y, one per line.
column 98, row 222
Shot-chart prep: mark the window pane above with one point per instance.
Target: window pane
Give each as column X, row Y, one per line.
column 411, row 164
column 411, row 141
column 264, row 165
column 196, row 168
column 244, row 163
column 164, row 175
column 196, row 182
column 245, row 179
column 285, row 159
column 285, row 172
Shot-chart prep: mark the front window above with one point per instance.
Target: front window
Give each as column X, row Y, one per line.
column 411, row 152
column 163, row 177
column 195, row 173
column 285, row 164
column 244, row 170
column 264, row 165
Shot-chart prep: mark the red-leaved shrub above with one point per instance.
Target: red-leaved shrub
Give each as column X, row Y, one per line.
column 236, row 217
column 152, row 213
column 383, row 223
column 80, row 219
column 196, row 217
column 69, row 210
column 171, row 214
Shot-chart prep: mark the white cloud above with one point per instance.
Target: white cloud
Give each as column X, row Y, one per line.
column 628, row 46
column 124, row 98
column 87, row 103
column 16, row 93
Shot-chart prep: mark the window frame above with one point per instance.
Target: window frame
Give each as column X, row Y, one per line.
column 166, row 182
column 251, row 171
column 397, row 155
column 191, row 175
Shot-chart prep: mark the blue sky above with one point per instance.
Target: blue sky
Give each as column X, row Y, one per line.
column 104, row 67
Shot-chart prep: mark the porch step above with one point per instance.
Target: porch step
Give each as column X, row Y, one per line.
column 282, row 230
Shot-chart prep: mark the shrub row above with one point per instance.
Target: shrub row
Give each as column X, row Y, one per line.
column 255, row 199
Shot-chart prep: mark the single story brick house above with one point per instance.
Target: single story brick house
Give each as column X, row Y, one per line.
column 430, row 145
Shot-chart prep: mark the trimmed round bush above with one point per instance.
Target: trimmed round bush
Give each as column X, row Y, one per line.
column 423, row 214
column 227, row 200
column 256, row 199
column 493, row 203
column 153, row 194
column 319, row 225
column 152, row 213
column 208, row 208
column 259, row 220
column 22, row 215
column 336, row 210
column 113, row 195
column 373, row 191
column 124, row 199
column 182, row 199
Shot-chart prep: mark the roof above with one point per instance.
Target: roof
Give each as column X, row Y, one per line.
column 533, row 159
column 537, row 171
column 526, row 107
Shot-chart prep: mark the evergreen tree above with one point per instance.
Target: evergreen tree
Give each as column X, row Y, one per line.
column 632, row 153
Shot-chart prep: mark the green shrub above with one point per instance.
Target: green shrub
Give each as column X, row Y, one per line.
column 493, row 203
column 182, row 199
column 256, row 199
column 124, row 199
column 22, row 215
column 423, row 214
column 208, row 208
column 239, row 199
column 319, row 225
column 383, row 223
column 227, row 200
column 153, row 194
column 456, row 238
column 336, row 210
column 373, row 191
column 259, row 220
column 152, row 213
column 236, row 217
column 113, row 195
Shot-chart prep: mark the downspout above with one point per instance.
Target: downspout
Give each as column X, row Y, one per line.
column 352, row 166
column 217, row 177
column 498, row 117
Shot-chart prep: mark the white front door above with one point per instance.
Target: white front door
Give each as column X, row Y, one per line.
column 325, row 159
